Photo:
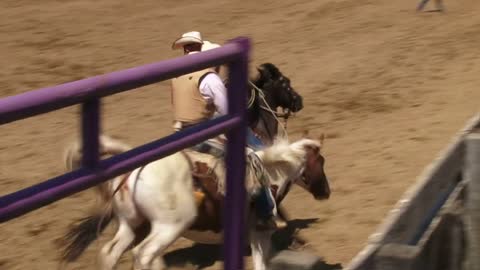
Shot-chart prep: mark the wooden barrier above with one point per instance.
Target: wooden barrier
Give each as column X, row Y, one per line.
column 472, row 173
column 435, row 246
column 425, row 227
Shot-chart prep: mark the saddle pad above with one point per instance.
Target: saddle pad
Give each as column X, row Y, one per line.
column 254, row 175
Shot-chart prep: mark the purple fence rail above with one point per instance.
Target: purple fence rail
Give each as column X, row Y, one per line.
column 89, row 91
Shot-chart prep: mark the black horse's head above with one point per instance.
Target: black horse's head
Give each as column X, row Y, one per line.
column 271, row 90
column 278, row 88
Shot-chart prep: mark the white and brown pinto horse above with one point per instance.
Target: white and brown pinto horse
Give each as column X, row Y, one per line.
column 181, row 195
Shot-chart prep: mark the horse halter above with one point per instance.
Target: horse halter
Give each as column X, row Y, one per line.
column 292, row 98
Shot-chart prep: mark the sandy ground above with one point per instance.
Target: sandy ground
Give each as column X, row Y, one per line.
column 388, row 86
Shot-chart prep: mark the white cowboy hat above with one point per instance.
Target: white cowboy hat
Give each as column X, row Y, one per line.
column 187, row 38
column 207, row 45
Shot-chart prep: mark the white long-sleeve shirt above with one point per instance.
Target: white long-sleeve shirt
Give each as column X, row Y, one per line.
column 213, row 89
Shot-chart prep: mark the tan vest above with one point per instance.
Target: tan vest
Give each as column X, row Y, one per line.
column 189, row 105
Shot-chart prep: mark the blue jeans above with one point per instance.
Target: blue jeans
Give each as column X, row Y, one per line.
column 254, row 142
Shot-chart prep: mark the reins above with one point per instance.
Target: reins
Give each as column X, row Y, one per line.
column 286, row 112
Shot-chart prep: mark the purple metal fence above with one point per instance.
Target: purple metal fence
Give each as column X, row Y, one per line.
column 89, row 91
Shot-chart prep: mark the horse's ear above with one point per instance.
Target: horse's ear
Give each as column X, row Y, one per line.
column 264, row 74
column 321, row 138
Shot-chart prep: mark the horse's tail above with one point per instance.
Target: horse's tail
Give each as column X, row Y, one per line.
column 87, row 229
column 84, row 233
column 72, row 159
column 108, row 146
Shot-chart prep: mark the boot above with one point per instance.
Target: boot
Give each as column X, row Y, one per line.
column 266, row 217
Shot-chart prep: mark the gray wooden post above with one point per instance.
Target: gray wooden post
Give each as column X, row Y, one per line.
column 472, row 174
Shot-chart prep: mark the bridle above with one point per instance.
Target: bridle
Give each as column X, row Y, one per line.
column 301, row 180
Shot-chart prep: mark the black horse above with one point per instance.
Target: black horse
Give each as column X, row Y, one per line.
column 269, row 91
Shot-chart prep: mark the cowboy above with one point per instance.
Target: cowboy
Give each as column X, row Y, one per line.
column 202, row 95
column 205, row 89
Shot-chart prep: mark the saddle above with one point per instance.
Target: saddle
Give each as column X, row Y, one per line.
column 208, row 169
column 214, row 147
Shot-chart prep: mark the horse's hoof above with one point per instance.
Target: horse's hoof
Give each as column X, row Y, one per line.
column 272, row 224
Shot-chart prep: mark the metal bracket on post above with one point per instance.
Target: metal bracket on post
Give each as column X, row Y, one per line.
column 90, row 133
column 472, row 174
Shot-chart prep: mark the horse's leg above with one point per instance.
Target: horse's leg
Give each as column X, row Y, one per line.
column 297, row 240
column 128, row 219
column 170, row 214
column 137, row 265
column 148, row 253
column 111, row 251
column 164, row 196
column 261, row 245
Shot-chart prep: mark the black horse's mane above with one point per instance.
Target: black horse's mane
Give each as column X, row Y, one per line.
column 267, row 71
column 271, row 69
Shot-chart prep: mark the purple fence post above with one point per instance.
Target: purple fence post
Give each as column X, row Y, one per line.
column 90, row 132
column 234, row 207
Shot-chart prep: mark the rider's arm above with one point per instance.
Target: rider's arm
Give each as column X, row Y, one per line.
column 213, row 88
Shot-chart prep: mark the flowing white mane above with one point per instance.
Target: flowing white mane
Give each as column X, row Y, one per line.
column 285, row 152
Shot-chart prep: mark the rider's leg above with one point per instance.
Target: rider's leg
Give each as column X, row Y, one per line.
column 266, row 210
column 252, row 140
column 265, row 205
column 264, row 202
column 202, row 147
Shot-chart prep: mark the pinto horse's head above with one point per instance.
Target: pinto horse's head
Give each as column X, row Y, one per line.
column 313, row 177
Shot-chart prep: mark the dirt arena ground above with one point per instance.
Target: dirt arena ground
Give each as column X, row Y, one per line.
column 388, row 86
